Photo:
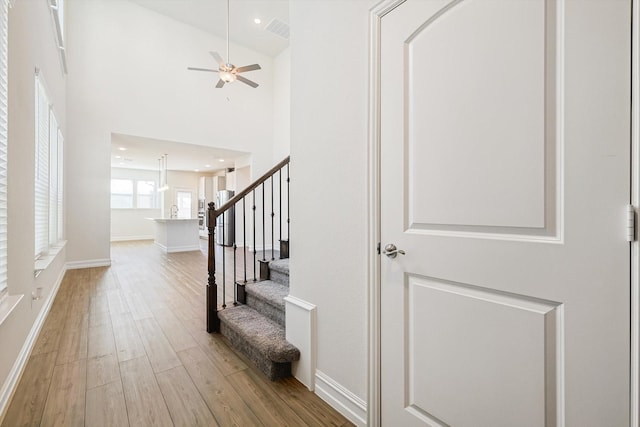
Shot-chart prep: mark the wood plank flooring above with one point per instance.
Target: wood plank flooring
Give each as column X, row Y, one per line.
column 127, row 346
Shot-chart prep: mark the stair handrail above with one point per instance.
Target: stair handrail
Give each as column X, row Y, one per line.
column 235, row 199
column 213, row 322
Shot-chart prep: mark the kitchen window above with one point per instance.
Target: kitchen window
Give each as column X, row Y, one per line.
column 146, row 195
column 133, row 194
column 121, row 193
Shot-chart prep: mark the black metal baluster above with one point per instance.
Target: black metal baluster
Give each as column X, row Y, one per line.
column 272, row 229
column 280, row 208
column 235, row 294
column 264, row 240
column 224, row 265
column 255, row 246
column 244, row 238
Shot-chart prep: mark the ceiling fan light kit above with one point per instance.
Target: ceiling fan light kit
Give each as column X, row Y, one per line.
column 227, row 72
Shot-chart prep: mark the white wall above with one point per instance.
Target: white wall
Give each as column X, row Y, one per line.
column 328, row 163
column 31, row 45
column 127, row 74
column 282, row 106
column 133, row 224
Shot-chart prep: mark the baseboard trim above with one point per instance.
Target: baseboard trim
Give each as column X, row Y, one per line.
column 341, row 399
column 90, row 263
column 131, row 238
column 172, row 249
column 13, row 379
column 301, row 332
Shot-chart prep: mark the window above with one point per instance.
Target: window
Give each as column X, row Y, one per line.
column 131, row 194
column 42, row 170
column 4, row 13
column 57, row 13
column 146, row 195
column 60, row 200
column 48, row 189
column 121, row 193
column 53, row 178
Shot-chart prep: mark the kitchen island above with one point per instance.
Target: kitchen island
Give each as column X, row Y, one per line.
column 176, row 234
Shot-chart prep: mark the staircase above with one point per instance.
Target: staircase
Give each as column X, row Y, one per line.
column 255, row 323
column 257, row 329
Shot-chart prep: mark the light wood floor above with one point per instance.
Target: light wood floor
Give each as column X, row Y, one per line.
column 126, row 346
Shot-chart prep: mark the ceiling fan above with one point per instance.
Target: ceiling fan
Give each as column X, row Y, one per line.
column 227, row 71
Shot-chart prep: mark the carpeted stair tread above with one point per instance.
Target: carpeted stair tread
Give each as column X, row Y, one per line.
column 281, row 265
column 267, row 297
column 279, row 271
column 259, row 333
column 269, row 292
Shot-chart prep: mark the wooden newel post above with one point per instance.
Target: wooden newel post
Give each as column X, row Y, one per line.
column 213, row 323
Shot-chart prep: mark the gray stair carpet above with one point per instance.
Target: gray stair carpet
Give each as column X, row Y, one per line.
column 279, row 271
column 260, row 339
column 267, row 297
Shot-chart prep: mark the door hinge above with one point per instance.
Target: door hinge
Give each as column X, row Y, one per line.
column 631, row 223
column 378, row 248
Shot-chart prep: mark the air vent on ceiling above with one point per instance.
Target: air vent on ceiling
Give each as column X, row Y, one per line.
column 279, row 28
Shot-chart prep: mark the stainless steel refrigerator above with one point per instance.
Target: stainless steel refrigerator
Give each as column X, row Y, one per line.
column 226, row 224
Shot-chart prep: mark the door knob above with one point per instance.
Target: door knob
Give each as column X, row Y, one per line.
column 391, row 251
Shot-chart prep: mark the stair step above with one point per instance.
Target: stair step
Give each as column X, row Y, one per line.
column 260, row 339
column 267, row 297
column 279, row 271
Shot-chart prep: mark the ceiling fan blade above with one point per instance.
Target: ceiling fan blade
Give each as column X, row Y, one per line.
column 220, row 83
column 248, row 68
column 247, row 81
column 201, row 69
column 218, row 58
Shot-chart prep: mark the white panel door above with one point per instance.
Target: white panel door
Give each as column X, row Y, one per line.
column 505, row 175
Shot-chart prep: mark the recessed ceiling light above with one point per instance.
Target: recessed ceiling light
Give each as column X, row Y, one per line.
column 196, row 170
column 221, row 160
column 122, row 149
column 257, row 20
column 207, row 166
column 118, row 157
column 121, row 163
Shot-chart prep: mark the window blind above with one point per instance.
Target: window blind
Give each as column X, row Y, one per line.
column 60, row 204
column 48, row 191
column 4, row 14
column 42, row 170
column 53, row 179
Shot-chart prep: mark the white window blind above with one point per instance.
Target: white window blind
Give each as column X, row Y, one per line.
column 60, row 204
column 48, row 189
column 52, row 210
column 4, row 14
column 42, row 170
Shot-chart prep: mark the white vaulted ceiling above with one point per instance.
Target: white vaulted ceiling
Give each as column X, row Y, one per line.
column 210, row 16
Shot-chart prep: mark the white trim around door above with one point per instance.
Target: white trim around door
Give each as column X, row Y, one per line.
column 373, row 220
column 635, row 201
